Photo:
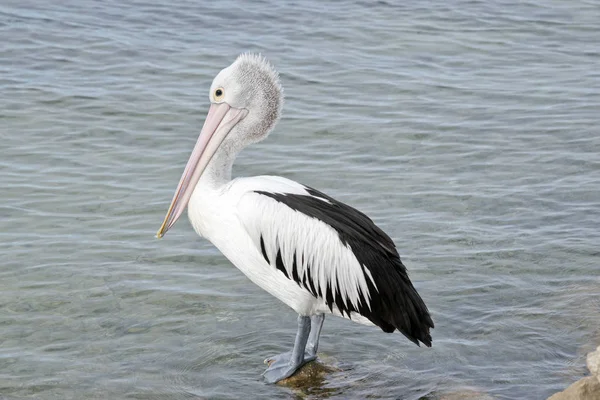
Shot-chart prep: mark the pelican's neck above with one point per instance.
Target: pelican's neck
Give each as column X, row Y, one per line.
column 205, row 205
column 218, row 170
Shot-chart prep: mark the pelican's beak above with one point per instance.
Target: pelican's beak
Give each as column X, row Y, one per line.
column 220, row 120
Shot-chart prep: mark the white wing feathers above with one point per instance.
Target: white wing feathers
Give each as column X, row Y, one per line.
column 304, row 248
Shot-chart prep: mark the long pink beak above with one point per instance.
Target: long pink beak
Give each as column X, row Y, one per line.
column 220, row 120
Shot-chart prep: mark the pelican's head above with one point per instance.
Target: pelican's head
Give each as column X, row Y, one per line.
column 252, row 84
column 246, row 100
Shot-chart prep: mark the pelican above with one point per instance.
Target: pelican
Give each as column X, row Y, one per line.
column 315, row 254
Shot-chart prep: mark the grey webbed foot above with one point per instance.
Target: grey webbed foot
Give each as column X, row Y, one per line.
column 283, row 366
column 308, row 356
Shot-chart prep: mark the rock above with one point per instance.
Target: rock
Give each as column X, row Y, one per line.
column 584, row 389
column 310, row 375
column 465, row 394
column 309, row 381
column 593, row 363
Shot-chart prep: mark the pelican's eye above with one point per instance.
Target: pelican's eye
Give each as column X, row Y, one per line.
column 219, row 94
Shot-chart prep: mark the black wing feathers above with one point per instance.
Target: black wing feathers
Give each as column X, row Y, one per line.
column 395, row 303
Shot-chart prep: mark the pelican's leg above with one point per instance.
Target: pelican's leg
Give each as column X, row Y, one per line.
column 316, row 323
column 310, row 353
column 284, row 365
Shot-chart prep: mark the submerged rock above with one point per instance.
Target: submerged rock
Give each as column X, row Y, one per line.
column 311, row 374
column 309, row 380
column 465, row 394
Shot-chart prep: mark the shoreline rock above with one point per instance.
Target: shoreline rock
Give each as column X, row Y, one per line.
column 587, row 388
column 593, row 363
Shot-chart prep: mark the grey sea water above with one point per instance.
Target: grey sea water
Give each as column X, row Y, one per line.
column 468, row 130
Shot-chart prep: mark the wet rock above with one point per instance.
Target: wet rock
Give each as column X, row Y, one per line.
column 310, row 380
column 464, row 394
column 584, row 389
column 310, row 375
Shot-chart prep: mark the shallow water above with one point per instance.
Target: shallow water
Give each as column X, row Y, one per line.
column 467, row 130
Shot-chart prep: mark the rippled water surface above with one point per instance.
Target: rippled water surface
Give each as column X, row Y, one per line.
column 468, row 130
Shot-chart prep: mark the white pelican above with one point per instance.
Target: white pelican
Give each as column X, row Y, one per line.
column 315, row 254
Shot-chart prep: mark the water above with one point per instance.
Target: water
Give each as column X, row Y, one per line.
column 467, row 130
